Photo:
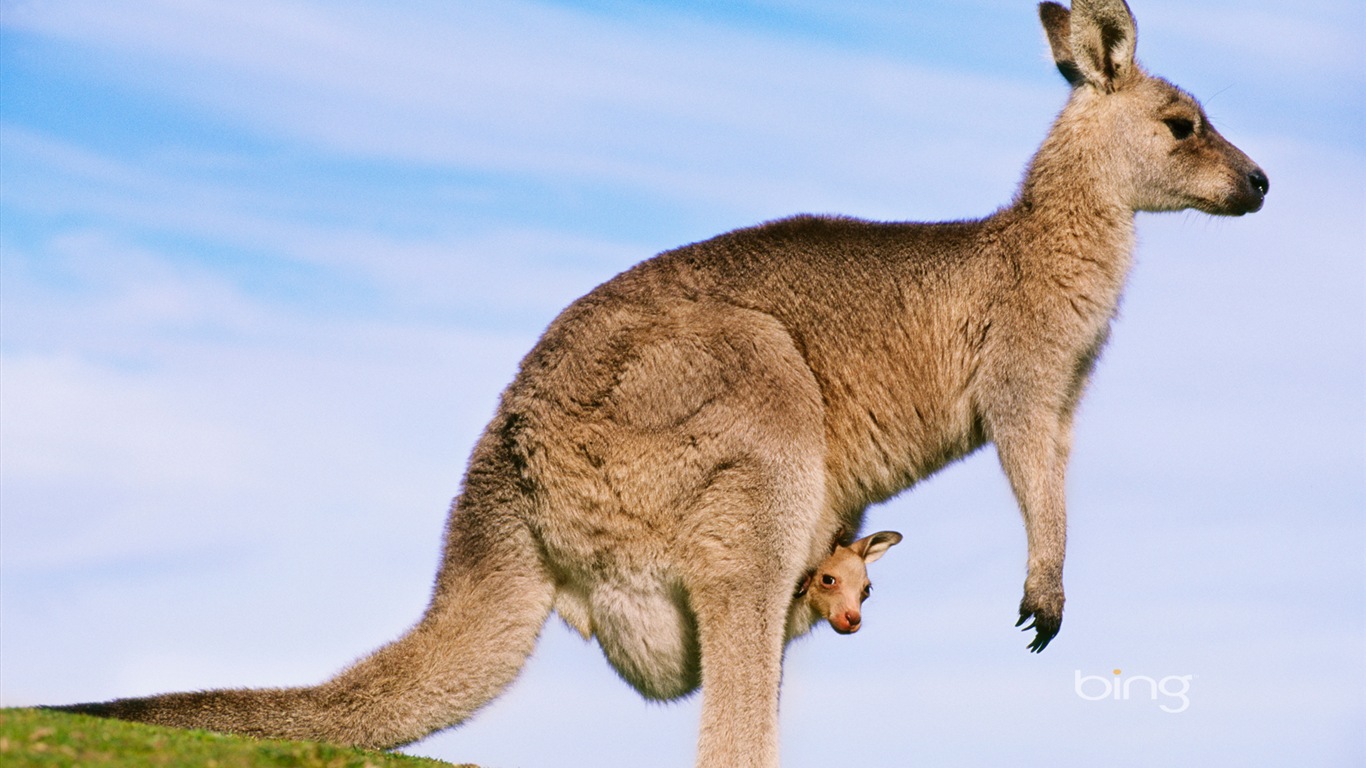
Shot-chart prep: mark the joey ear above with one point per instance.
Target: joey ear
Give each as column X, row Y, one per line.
column 1058, row 27
column 872, row 547
column 1102, row 39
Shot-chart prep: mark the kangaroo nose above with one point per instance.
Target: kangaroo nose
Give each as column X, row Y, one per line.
column 1259, row 181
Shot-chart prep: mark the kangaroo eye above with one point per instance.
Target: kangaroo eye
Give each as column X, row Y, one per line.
column 1180, row 127
column 868, row 590
column 827, row 580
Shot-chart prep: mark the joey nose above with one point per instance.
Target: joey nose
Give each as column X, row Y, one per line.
column 1259, row 181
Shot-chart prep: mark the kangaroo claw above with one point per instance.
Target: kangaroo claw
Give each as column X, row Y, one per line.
column 1044, row 624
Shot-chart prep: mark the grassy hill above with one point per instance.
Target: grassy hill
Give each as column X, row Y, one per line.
column 31, row 737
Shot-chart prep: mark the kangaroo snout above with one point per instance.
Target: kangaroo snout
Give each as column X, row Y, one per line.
column 846, row 624
column 1237, row 190
column 1260, row 186
column 1250, row 194
column 1250, row 183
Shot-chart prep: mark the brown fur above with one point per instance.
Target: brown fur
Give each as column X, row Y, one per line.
column 684, row 441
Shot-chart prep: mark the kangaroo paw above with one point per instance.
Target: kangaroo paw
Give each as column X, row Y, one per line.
column 1047, row 618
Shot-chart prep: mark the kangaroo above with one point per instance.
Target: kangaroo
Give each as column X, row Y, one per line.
column 684, row 441
column 836, row 589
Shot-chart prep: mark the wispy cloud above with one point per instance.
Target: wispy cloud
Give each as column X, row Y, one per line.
column 682, row 110
column 1293, row 41
column 435, row 272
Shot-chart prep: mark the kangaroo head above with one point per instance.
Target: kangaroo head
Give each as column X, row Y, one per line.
column 835, row 591
column 1149, row 142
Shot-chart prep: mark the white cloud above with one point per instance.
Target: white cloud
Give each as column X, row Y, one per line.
column 157, row 400
column 683, row 110
column 1319, row 39
column 501, row 269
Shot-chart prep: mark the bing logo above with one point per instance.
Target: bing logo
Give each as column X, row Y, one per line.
column 1171, row 690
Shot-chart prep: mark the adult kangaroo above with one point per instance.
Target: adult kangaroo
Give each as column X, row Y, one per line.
column 685, row 441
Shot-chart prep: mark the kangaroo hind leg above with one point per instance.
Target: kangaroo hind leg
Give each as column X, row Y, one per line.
column 749, row 551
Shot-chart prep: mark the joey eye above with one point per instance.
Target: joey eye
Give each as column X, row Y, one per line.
column 828, row 580
column 867, row 590
column 1180, row 127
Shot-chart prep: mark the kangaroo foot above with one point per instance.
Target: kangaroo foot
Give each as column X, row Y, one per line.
column 1045, row 607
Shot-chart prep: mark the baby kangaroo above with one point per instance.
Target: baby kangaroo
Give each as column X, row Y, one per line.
column 836, row 589
column 683, row 442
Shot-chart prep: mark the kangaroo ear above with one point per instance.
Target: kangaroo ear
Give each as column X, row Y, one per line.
column 1102, row 39
column 872, row 547
column 1057, row 26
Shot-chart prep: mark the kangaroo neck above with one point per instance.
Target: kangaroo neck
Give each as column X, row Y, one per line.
column 1069, row 214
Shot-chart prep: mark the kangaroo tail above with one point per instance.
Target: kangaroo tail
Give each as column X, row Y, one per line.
column 492, row 597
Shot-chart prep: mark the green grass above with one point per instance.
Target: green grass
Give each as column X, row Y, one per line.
column 30, row 737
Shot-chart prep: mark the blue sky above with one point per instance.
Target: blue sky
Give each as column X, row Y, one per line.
column 265, row 268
